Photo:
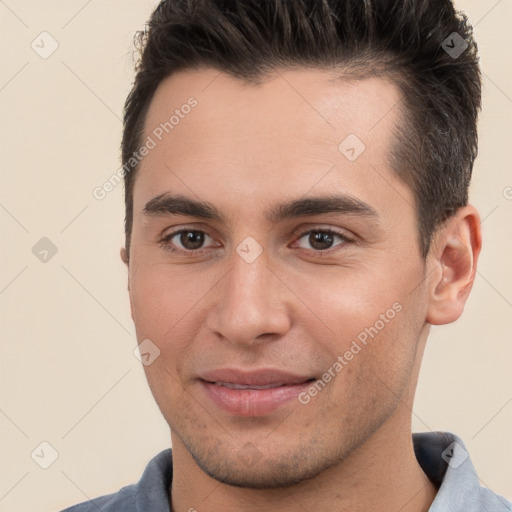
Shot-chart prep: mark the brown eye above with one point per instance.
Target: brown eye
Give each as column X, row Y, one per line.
column 321, row 239
column 191, row 240
column 185, row 240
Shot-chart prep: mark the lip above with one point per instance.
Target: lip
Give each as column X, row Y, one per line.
column 282, row 387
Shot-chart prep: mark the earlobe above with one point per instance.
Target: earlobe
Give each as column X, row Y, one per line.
column 456, row 249
column 124, row 255
column 124, row 258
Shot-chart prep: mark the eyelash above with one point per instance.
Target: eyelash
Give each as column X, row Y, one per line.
column 165, row 242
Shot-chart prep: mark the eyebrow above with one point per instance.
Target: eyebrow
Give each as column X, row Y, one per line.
column 168, row 204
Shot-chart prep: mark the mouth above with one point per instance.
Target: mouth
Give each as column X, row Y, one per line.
column 256, row 393
column 232, row 385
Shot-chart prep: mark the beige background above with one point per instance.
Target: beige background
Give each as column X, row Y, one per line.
column 68, row 375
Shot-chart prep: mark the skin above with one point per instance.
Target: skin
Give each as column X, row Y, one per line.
column 244, row 149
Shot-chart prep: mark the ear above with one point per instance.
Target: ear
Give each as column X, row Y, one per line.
column 126, row 261
column 453, row 261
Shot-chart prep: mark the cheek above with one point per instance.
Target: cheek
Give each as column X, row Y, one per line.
column 371, row 322
column 161, row 298
column 373, row 375
column 169, row 308
column 349, row 301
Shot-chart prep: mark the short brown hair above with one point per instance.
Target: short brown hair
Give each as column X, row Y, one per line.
column 424, row 46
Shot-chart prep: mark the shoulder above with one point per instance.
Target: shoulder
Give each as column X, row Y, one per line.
column 444, row 458
column 494, row 502
column 151, row 492
column 123, row 500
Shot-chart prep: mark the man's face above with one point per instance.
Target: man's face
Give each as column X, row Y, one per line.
column 287, row 340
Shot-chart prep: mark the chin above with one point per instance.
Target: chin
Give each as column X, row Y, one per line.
column 273, row 472
column 261, row 478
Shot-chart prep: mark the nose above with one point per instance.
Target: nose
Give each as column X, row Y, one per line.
column 250, row 306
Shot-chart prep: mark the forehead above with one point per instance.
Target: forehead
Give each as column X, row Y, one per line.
column 299, row 102
column 297, row 129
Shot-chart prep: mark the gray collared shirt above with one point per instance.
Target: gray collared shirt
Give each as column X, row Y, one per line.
column 442, row 456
